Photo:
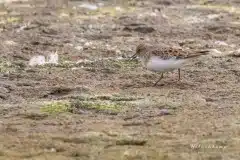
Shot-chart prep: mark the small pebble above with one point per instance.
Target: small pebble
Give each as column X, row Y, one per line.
column 216, row 53
column 221, row 43
column 80, row 48
column 164, row 112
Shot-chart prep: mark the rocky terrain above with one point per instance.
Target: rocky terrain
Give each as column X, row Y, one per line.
column 69, row 91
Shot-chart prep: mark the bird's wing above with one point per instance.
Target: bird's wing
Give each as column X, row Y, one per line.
column 194, row 54
column 167, row 53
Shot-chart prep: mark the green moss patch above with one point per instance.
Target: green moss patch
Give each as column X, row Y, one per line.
column 226, row 8
column 6, row 66
column 113, row 98
column 112, row 11
column 101, row 106
column 110, row 104
column 123, row 64
column 56, row 107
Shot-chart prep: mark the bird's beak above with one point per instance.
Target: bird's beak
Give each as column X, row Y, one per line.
column 133, row 56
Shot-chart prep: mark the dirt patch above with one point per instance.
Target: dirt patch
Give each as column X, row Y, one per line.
column 96, row 104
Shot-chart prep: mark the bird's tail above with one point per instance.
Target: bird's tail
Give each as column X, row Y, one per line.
column 197, row 54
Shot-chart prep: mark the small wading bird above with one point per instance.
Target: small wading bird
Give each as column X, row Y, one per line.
column 164, row 59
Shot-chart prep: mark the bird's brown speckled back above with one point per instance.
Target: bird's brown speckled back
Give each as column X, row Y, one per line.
column 147, row 50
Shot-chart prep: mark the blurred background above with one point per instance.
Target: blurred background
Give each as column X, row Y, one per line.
column 69, row 92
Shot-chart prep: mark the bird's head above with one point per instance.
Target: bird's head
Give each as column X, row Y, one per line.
column 140, row 50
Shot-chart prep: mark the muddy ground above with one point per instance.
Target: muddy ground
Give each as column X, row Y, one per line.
column 95, row 104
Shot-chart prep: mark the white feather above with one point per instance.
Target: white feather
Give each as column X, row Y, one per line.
column 37, row 60
column 161, row 65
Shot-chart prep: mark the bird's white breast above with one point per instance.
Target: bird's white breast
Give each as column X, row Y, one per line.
column 162, row 65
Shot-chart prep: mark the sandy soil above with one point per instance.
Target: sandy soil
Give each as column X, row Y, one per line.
column 96, row 104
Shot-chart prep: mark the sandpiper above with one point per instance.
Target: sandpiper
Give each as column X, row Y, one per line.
column 164, row 59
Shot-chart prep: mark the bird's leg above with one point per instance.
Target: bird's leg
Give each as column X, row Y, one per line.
column 179, row 75
column 158, row 80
